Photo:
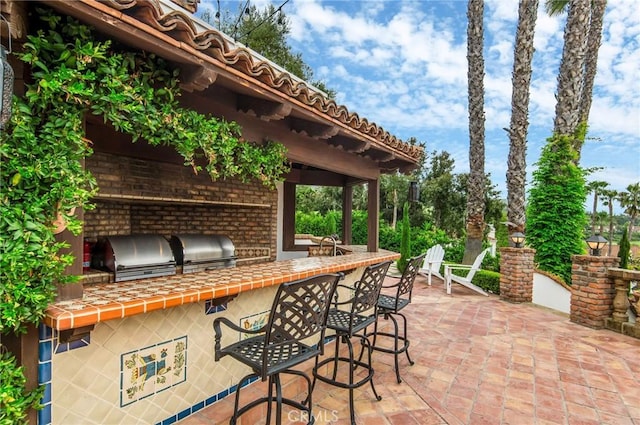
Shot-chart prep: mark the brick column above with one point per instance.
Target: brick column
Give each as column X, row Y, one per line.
column 516, row 274
column 592, row 290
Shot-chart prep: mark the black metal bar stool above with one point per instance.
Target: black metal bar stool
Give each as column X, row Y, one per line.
column 347, row 324
column 294, row 333
column 389, row 306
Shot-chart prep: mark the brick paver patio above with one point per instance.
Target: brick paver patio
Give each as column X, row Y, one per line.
column 480, row 360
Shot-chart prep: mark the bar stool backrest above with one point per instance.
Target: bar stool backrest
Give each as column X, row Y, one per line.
column 405, row 285
column 367, row 289
column 299, row 312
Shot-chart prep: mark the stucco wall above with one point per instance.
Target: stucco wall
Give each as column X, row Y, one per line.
column 550, row 293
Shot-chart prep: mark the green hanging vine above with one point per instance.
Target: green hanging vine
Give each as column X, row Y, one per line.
column 75, row 73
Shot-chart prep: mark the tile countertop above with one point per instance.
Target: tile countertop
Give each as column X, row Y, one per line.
column 107, row 301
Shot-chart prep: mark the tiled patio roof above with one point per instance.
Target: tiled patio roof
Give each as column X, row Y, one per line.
column 191, row 33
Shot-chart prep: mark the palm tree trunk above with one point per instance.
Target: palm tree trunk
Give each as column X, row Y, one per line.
column 571, row 68
column 476, row 188
column 591, row 61
column 521, row 82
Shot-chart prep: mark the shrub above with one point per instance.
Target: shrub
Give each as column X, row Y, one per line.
column 331, row 226
column 454, row 251
column 312, row 223
column 389, row 238
column 15, row 400
column 487, row 280
column 623, row 252
column 555, row 214
column 491, row 262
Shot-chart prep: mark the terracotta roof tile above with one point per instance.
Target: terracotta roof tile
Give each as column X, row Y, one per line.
column 180, row 26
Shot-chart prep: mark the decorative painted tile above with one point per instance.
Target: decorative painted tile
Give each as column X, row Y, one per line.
column 152, row 369
column 253, row 252
column 253, row 322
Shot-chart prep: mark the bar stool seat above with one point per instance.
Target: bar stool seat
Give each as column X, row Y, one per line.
column 389, row 306
column 294, row 333
column 386, row 302
column 351, row 323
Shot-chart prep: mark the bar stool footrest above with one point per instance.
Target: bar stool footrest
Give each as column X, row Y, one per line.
column 341, row 384
column 402, row 349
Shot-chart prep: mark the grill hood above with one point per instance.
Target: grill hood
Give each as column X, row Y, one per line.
column 135, row 256
column 202, row 252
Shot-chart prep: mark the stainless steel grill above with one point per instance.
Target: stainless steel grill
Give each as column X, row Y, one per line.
column 135, row 256
column 203, row 252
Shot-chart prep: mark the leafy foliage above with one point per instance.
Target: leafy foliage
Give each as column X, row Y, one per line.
column 42, row 175
column 630, row 201
column 14, row 399
column 623, row 252
column 555, row 214
column 487, row 280
column 422, row 238
column 73, row 74
column 445, row 194
column 330, row 223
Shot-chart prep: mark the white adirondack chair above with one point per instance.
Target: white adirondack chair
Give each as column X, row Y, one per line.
column 465, row 281
column 432, row 261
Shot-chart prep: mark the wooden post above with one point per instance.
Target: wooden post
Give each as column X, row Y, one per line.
column 373, row 210
column 347, row 214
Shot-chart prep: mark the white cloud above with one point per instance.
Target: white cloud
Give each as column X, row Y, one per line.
column 402, row 64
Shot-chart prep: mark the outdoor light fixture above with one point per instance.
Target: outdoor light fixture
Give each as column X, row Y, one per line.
column 413, row 192
column 596, row 243
column 517, row 238
column 246, row 15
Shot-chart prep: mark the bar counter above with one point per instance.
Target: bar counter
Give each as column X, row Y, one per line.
column 109, row 301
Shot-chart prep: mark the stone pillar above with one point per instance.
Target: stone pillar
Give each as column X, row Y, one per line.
column 516, row 274
column 592, row 290
column 619, row 320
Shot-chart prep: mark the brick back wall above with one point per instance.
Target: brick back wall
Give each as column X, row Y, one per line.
column 140, row 196
column 107, row 219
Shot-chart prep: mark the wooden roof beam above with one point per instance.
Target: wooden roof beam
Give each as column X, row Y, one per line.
column 199, row 78
column 266, row 110
column 313, row 129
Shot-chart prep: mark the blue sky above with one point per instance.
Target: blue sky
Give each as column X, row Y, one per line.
column 402, row 65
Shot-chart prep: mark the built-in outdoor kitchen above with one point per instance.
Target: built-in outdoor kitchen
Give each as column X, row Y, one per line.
column 165, row 249
column 138, row 345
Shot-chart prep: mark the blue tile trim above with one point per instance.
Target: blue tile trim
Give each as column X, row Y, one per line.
column 200, row 405
column 44, row 415
column 46, row 341
column 48, row 345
